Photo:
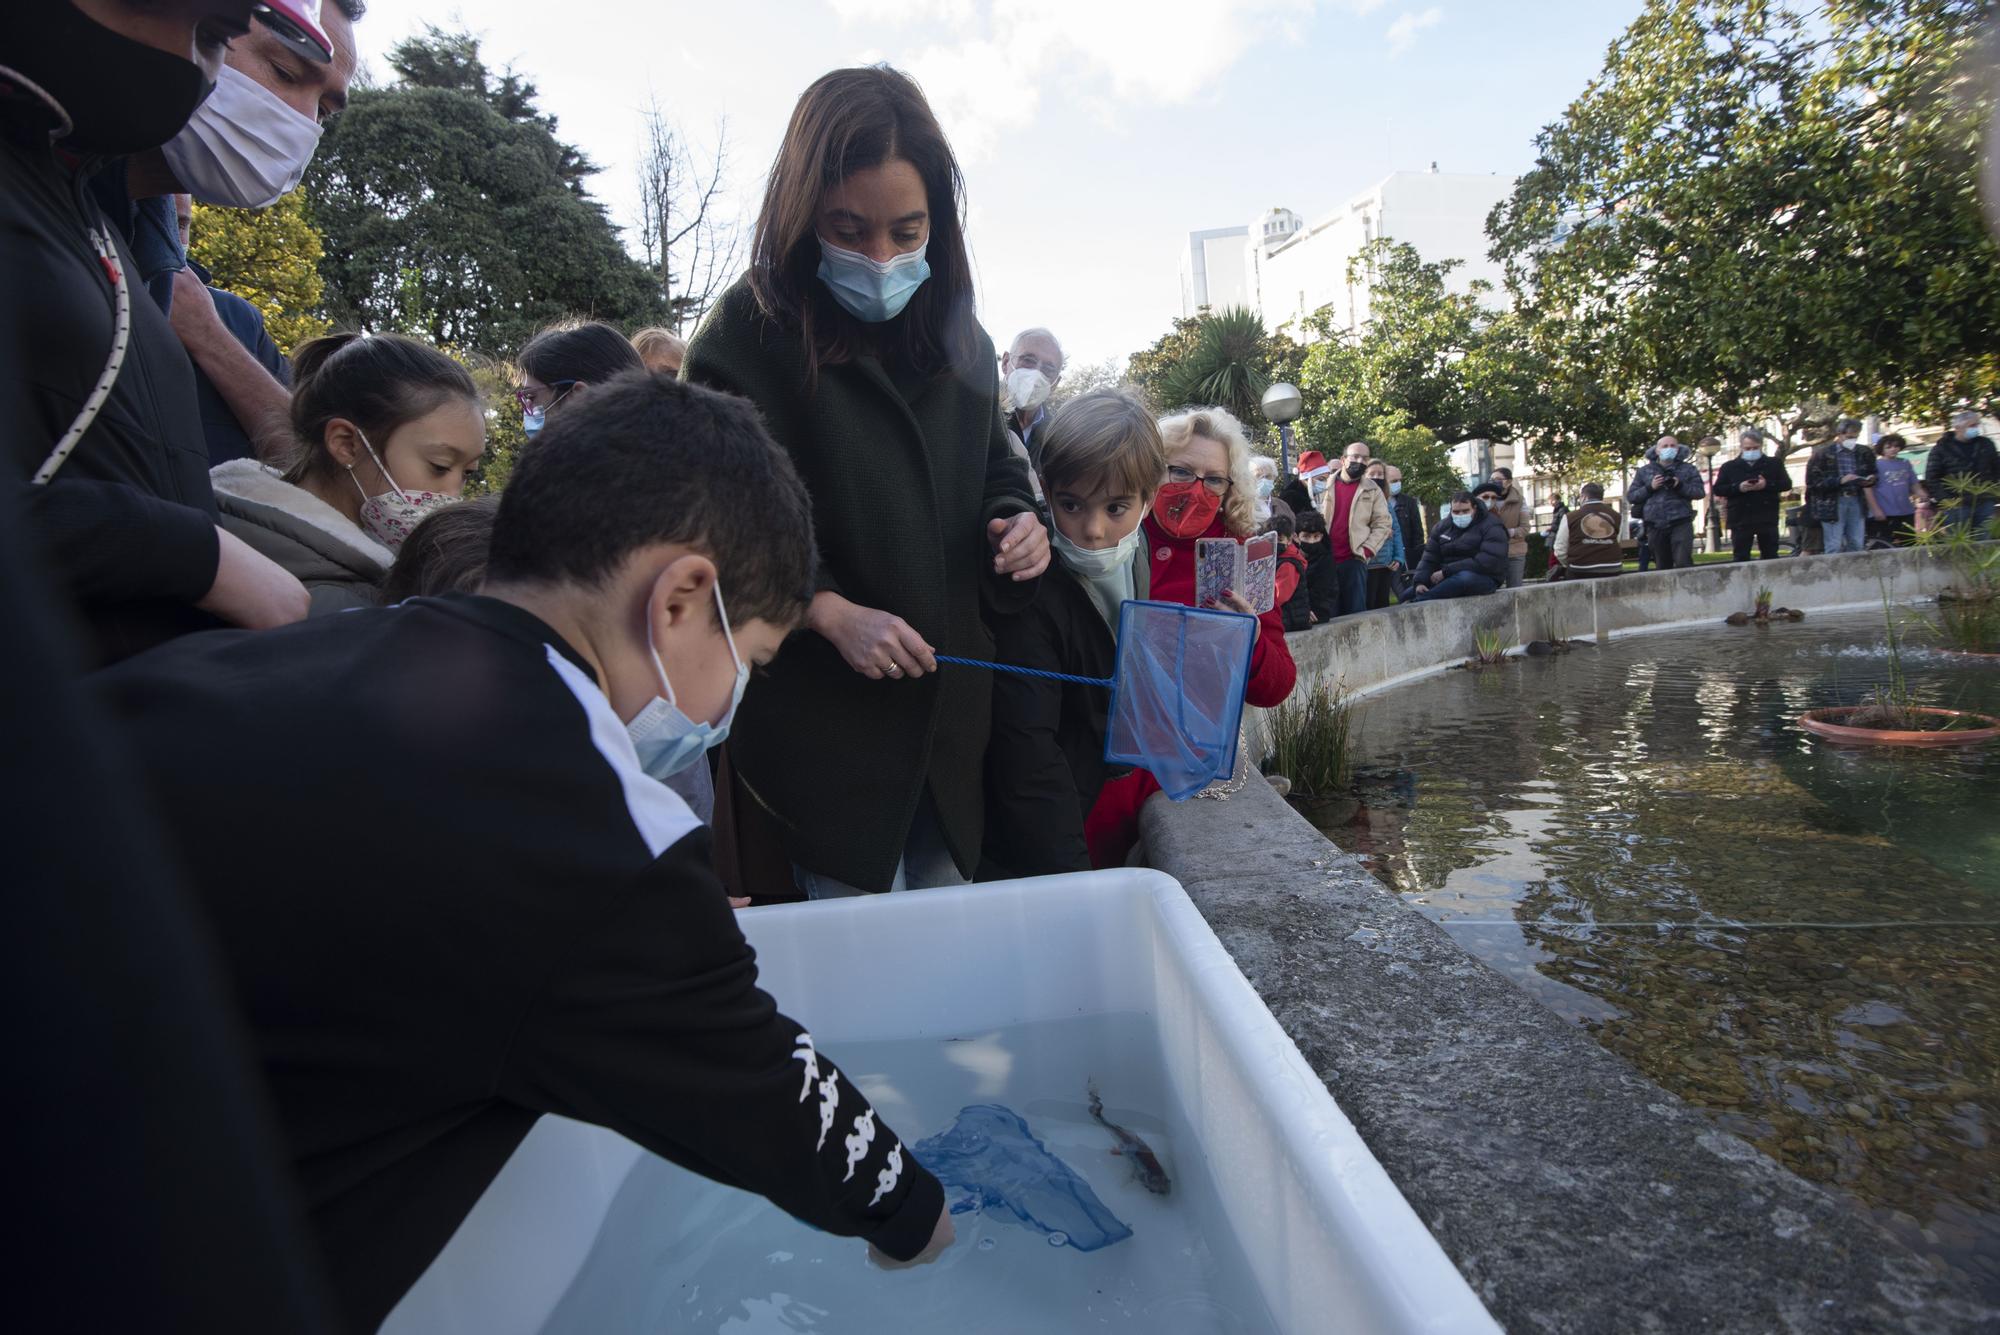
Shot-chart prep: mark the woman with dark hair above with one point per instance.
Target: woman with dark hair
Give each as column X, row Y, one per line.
column 854, row 334
column 387, row 429
column 565, row 359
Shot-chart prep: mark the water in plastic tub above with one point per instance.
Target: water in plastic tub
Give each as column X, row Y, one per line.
column 1067, row 1219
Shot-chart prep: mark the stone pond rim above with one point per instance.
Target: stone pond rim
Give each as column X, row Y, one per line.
column 1827, row 723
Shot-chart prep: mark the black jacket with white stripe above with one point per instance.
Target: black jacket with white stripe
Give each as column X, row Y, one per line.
column 451, row 901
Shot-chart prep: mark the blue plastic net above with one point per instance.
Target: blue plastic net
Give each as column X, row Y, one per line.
column 1177, row 693
column 990, row 1161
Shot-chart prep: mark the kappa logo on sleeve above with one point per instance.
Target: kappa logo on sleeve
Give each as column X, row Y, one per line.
column 858, row 1143
column 829, row 1100
column 803, row 1051
column 892, row 1172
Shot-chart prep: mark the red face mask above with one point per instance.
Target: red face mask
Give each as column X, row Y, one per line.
column 1186, row 509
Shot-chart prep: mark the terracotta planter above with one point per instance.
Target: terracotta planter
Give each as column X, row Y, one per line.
column 1827, row 723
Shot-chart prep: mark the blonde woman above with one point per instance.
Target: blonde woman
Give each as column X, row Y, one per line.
column 1210, row 492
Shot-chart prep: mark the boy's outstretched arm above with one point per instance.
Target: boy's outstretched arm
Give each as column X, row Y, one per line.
column 652, row 1024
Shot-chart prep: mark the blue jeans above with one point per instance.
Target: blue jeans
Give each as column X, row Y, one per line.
column 1351, row 581
column 926, row 863
column 1465, row 584
column 1977, row 513
column 1848, row 533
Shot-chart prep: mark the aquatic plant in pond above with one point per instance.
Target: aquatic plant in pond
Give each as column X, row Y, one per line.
column 1968, row 613
column 1490, row 646
column 1311, row 741
column 1893, row 717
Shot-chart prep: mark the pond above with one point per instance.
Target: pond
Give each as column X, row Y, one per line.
column 1802, row 939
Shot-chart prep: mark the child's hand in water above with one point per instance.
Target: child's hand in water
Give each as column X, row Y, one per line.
column 941, row 1237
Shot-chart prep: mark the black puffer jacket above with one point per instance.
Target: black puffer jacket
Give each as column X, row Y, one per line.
column 1480, row 546
column 1674, row 499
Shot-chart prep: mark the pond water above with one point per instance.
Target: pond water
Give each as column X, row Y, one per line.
column 1801, row 938
column 678, row 1252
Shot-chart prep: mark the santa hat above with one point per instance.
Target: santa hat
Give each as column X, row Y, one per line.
column 1313, row 464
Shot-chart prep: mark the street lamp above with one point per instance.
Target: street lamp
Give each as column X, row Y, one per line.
column 1282, row 404
column 1707, row 451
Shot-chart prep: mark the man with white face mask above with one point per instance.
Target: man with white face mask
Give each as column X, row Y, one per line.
column 1031, row 368
column 247, row 146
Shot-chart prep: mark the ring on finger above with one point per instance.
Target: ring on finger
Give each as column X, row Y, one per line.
column 893, row 670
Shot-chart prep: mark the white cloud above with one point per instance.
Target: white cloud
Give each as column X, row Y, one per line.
column 1403, row 32
column 903, row 13
column 986, row 75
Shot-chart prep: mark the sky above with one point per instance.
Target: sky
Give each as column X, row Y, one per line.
column 1094, row 134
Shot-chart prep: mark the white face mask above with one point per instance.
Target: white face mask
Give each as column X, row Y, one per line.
column 1094, row 562
column 1027, row 388
column 390, row 517
column 243, row 148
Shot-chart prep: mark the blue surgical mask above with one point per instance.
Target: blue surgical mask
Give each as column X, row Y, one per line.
column 531, row 421
column 1264, row 488
column 1462, row 520
column 869, row 291
column 1395, row 489
column 1667, row 454
column 667, row 740
column 1752, row 456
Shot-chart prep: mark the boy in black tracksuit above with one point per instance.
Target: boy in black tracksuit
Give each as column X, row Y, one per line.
column 503, row 911
column 1102, row 462
column 1322, row 585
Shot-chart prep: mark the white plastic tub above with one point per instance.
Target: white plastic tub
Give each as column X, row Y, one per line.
column 1330, row 1243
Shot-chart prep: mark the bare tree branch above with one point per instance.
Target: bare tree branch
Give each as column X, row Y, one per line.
column 693, row 249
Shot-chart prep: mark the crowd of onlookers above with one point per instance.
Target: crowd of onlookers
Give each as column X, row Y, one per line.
column 1856, row 496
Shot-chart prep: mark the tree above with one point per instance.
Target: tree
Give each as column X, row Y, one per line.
column 506, row 436
column 270, row 258
column 693, row 251
column 1085, row 377
column 451, row 211
column 1424, row 459
column 1751, row 208
column 1221, row 358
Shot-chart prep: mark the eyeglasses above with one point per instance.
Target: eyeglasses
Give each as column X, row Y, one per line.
column 1215, row 482
column 527, row 397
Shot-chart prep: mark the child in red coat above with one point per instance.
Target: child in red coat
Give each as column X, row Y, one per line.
column 1210, row 493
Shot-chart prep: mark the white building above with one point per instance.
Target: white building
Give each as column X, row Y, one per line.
column 1442, row 214
column 1212, row 271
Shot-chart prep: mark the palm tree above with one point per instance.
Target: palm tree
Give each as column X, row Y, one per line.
column 1225, row 367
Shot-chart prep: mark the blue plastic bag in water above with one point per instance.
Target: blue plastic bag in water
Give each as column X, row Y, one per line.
column 990, row 1161
column 1177, row 693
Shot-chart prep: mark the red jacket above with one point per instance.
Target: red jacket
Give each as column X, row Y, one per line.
column 1113, row 825
column 1272, row 671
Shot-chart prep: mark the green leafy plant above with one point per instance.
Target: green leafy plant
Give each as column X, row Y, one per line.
column 1491, row 645
column 1311, row 741
column 1968, row 612
column 1764, row 603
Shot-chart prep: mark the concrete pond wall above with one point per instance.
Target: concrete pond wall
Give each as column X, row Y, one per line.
column 1574, row 1194
column 1378, row 650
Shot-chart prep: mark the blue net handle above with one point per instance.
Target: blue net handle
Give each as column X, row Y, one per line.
column 1104, row 682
